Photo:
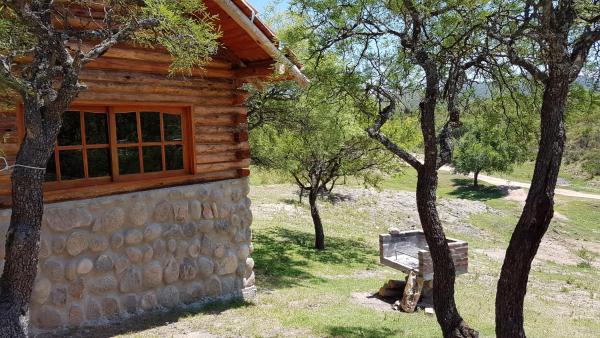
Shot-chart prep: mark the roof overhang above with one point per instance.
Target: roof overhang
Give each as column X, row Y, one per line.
column 245, row 16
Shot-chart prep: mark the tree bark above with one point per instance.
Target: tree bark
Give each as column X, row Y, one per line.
column 451, row 323
column 446, row 312
column 314, row 212
column 538, row 210
column 23, row 236
column 475, row 179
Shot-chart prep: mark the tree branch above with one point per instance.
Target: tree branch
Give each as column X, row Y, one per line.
column 532, row 69
column 581, row 49
column 376, row 134
column 8, row 78
column 116, row 37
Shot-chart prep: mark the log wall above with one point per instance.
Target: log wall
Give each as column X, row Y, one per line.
column 128, row 75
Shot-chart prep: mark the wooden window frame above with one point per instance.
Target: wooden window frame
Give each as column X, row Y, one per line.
column 151, row 178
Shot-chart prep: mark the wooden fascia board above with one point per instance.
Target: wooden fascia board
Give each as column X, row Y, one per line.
column 261, row 39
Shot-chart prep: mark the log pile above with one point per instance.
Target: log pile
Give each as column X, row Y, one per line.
column 408, row 295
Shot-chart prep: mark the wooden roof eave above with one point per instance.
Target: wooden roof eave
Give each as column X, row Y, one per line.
column 262, row 40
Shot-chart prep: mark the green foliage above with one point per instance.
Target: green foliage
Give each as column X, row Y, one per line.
column 316, row 134
column 185, row 30
column 13, row 33
column 583, row 130
column 489, row 144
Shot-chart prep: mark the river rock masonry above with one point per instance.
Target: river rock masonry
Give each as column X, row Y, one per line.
column 110, row 257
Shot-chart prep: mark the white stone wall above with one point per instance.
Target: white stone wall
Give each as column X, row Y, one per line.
column 115, row 256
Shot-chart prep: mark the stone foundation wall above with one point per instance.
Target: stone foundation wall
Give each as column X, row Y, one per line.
column 110, row 257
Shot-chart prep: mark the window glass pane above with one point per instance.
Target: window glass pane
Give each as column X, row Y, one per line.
column 51, row 169
column 174, row 157
column 150, row 122
column 126, row 128
column 172, row 125
column 152, row 158
column 98, row 162
column 71, row 164
column 70, row 132
column 96, row 128
column 129, row 160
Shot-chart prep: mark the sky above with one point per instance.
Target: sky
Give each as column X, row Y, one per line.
column 260, row 5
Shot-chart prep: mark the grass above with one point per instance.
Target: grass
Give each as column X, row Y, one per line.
column 524, row 172
column 303, row 292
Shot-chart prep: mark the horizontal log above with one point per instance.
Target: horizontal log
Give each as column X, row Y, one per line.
column 107, row 87
column 220, row 175
column 201, row 110
column 115, row 98
column 152, row 55
column 218, row 148
column 215, row 138
column 9, row 149
column 242, row 154
column 201, row 129
column 244, row 172
column 10, row 137
column 207, row 168
column 224, row 119
column 241, row 136
column 225, row 156
column 154, row 67
column 155, row 79
column 108, row 63
column 216, row 158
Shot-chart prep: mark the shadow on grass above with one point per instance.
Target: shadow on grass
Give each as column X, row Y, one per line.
column 283, row 256
column 464, row 189
column 149, row 321
column 292, row 201
column 357, row 331
column 331, row 197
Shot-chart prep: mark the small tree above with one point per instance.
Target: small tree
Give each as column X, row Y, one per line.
column 486, row 147
column 42, row 35
column 317, row 139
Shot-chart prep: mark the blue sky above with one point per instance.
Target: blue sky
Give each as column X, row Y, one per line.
column 260, row 5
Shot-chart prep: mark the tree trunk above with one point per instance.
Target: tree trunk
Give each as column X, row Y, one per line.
column 452, row 324
column 446, row 312
column 475, row 179
column 314, row 212
column 23, row 238
column 537, row 212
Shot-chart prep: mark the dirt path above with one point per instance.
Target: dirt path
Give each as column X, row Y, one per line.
column 507, row 183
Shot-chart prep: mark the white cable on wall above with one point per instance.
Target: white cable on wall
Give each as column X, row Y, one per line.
column 8, row 167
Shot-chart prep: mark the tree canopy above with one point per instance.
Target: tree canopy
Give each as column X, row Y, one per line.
column 317, row 137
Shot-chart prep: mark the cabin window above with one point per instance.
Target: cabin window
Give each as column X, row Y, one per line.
column 116, row 143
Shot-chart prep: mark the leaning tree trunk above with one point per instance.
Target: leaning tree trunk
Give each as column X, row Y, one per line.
column 23, row 236
column 537, row 212
column 314, row 212
column 446, row 312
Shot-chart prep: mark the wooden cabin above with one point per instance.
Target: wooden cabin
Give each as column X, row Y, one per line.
column 146, row 193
